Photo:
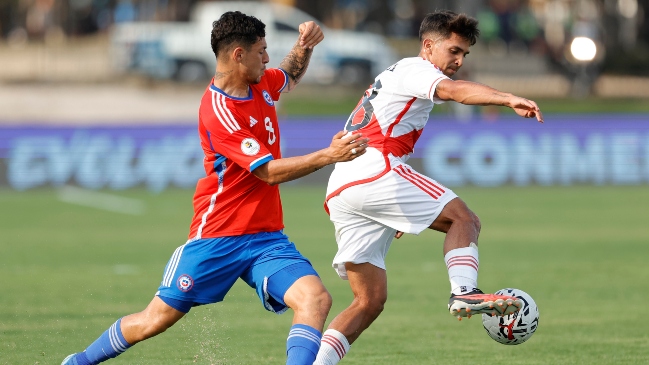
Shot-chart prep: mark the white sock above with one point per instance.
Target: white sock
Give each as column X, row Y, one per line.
column 462, row 264
column 333, row 347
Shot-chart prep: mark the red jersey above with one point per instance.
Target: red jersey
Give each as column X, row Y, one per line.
column 237, row 136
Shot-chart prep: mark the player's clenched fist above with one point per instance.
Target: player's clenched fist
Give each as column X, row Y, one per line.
column 347, row 148
column 310, row 35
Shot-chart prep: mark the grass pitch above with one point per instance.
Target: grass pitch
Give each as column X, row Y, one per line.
column 70, row 271
column 340, row 101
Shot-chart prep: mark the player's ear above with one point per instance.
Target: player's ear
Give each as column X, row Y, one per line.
column 237, row 54
column 428, row 45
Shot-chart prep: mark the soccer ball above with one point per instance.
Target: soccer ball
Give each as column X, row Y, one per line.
column 515, row 328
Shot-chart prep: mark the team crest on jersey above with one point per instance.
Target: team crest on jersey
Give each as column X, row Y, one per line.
column 249, row 146
column 185, row 283
column 267, row 97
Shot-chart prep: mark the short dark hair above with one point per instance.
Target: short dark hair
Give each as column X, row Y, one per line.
column 234, row 27
column 446, row 22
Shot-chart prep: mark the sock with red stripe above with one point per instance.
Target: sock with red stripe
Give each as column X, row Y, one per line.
column 462, row 264
column 332, row 349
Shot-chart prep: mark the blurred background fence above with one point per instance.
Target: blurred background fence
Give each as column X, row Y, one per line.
column 81, row 80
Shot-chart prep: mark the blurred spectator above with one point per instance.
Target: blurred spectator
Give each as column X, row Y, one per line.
column 528, row 31
column 504, row 14
column 403, row 24
column 39, row 18
column 81, row 18
column 350, row 14
column 125, row 12
column 510, row 26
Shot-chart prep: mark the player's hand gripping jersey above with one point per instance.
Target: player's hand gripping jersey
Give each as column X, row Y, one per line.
column 237, row 136
column 392, row 114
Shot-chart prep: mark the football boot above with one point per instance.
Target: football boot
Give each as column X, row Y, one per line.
column 69, row 360
column 477, row 302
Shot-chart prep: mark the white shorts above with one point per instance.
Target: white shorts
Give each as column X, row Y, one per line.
column 367, row 216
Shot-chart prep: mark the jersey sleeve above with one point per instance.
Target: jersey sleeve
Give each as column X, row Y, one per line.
column 245, row 150
column 277, row 80
column 422, row 82
column 230, row 137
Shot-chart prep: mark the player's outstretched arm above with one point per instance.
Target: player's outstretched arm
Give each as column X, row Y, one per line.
column 297, row 61
column 472, row 93
column 291, row 168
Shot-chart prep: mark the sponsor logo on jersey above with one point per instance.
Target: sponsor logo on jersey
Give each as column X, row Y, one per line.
column 267, row 97
column 185, row 283
column 249, row 146
column 253, row 121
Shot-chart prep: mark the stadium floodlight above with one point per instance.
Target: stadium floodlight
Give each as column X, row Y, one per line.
column 583, row 49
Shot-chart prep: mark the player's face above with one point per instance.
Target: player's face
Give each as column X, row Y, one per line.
column 448, row 54
column 254, row 60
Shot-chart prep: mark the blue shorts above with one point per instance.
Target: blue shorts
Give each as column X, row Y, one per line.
column 203, row 271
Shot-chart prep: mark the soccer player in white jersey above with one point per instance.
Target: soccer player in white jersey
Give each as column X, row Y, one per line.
column 378, row 196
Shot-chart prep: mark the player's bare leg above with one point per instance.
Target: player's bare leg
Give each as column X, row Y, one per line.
column 462, row 228
column 311, row 303
column 309, row 300
column 370, row 287
column 152, row 321
column 126, row 332
column 461, row 225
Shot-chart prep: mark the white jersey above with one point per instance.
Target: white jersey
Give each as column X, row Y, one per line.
column 392, row 114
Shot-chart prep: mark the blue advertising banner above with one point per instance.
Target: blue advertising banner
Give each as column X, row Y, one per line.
column 566, row 150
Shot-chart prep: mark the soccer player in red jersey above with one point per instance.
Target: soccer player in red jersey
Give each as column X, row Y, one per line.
column 237, row 227
column 379, row 196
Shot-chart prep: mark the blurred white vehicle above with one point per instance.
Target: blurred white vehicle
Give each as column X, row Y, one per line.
column 182, row 50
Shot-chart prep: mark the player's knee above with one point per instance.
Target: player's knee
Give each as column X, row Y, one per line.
column 322, row 301
column 469, row 219
column 475, row 221
column 153, row 328
column 374, row 309
column 316, row 300
column 148, row 327
column 373, row 305
column 326, row 302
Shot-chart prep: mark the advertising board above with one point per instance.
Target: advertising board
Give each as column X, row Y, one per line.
column 566, row 150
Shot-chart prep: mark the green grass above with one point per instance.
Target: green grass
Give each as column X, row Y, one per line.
column 340, row 101
column 581, row 252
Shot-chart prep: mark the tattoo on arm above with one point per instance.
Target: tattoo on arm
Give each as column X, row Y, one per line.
column 295, row 63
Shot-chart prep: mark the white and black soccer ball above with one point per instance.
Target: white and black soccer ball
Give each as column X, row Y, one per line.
column 515, row 328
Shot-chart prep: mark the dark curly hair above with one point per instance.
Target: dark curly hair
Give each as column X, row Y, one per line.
column 446, row 22
column 236, row 28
